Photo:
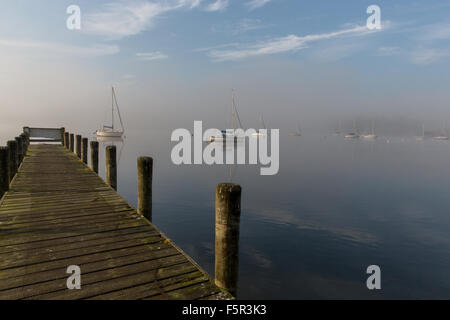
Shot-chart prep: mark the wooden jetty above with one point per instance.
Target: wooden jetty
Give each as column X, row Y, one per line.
column 59, row 213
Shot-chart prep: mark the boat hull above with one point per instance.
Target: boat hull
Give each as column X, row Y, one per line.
column 110, row 134
column 440, row 138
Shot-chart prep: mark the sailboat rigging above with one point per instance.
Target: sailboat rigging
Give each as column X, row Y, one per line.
column 229, row 133
column 262, row 125
column 297, row 133
column 444, row 133
column 372, row 135
column 110, row 131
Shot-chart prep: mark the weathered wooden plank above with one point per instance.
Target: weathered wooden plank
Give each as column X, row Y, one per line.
column 58, row 212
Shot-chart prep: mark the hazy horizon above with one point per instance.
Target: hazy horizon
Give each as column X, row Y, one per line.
column 179, row 63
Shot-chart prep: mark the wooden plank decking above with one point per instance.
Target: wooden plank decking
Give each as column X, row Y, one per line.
column 59, row 213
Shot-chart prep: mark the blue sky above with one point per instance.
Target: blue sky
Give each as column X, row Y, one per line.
column 205, row 47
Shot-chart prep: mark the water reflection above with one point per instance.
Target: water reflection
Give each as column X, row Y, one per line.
column 113, row 141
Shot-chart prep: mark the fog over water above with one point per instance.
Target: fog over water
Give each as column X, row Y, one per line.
column 336, row 206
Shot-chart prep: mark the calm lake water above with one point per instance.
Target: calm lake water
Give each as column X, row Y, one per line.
column 311, row 231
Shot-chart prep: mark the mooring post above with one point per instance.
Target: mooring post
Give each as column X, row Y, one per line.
column 72, row 142
column 78, row 146
column 66, row 140
column 12, row 147
column 228, row 213
column 26, row 131
column 19, row 150
column 145, row 178
column 84, row 151
column 63, row 134
column 4, row 170
column 94, row 156
column 24, row 144
column 111, row 166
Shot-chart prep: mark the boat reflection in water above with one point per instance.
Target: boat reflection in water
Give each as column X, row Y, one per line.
column 113, row 141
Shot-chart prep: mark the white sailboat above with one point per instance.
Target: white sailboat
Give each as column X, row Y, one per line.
column 372, row 135
column 229, row 134
column 337, row 132
column 444, row 133
column 422, row 137
column 110, row 131
column 296, row 134
column 353, row 135
column 262, row 125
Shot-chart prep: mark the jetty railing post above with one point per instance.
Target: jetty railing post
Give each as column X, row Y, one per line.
column 111, row 166
column 66, row 140
column 19, row 150
column 84, row 151
column 78, row 146
column 72, row 142
column 94, row 156
column 12, row 147
column 24, row 144
column 63, row 134
column 228, row 213
column 4, row 170
column 26, row 131
column 145, row 178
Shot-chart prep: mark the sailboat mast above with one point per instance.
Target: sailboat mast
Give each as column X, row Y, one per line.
column 233, row 115
column 118, row 111
column 112, row 109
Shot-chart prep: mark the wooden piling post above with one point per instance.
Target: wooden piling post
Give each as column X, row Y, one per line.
column 26, row 132
column 111, row 166
column 78, row 146
column 84, row 151
column 66, row 140
column 145, row 178
column 4, row 170
column 72, row 142
column 63, row 134
column 19, row 150
column 94, row 156
column 228, row 213
column 12, row 147
column 24, row 144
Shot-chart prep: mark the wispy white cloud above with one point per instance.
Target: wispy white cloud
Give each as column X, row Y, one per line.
column 387, row 51
column 225, row 45
column 246, row 25
column 433, row 32
column 122, row 19
column 59, row 49
column 283, row 44
column 150, row 56
column 218, row 5
column 254, row 4
column 426, row 56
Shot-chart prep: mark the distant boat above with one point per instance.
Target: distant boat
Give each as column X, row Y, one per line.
column 297, row 133
column 229, row 134
column 372, row 135
column 353, row 135
column 337, row 132
column 262, row 125
column 109, row 131
column 422, row 137
column 444, row 134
